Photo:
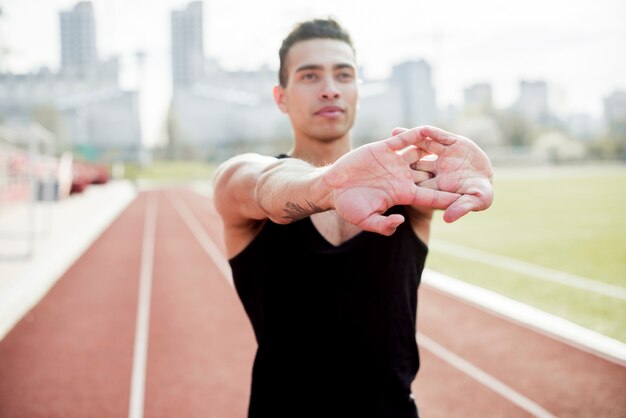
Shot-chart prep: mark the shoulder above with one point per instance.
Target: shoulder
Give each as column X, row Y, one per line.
column 234, row 198
column 239, row 166
column 235, row 179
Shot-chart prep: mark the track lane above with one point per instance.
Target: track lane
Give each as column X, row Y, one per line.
column 442, row 391
column 566, row 381
column 71, row 355
column 201, row 345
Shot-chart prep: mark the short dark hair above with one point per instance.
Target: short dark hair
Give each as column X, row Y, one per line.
column 311, row 29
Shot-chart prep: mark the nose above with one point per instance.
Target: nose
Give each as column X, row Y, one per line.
column 329, row 90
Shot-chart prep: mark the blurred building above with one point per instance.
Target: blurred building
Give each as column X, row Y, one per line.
column 229, row 109
column 615, row 120
column 478, row 99
column 379, row 111
column 82, row 103
column 77, row 111
column 582, row 126
column 187, row 46
column 477, row 121
column 406, row 99
column 615, row 107
column 533, row 101
column 213, row 109
column 79, row 53
column 236, row 109
column 412, row 82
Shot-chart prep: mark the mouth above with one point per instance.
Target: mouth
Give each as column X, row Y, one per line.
column 330, row 111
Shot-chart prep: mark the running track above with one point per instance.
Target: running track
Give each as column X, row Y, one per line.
column 145, row 323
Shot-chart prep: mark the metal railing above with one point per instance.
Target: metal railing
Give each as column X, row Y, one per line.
column 28, row 183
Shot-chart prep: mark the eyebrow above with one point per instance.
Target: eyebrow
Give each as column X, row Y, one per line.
column 340, row 66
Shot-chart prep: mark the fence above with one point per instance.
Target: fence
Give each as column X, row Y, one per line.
column 28, row 183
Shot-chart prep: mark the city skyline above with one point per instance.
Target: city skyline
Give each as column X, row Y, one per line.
column 146, row 63
column 599, row 71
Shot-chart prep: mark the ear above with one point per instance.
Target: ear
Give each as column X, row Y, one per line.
column 279, row 98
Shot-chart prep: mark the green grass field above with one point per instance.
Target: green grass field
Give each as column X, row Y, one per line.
column 170, row 171
column 567, row 219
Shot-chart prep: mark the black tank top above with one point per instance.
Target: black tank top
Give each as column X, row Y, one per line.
column 335, row 325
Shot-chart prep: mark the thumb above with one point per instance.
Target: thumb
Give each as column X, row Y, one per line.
column 461, row 207
column 384, row 225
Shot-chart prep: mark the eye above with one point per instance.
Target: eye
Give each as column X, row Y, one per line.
column 308, row 76
column 345, row 76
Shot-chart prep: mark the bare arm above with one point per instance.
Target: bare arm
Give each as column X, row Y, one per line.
column 252, row 187
column 360, row 186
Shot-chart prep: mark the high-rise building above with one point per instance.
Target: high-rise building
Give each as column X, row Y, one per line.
column 615, row 106
column 615, row 114
column 82, row 104
column 417, row 93
column 533, row 101
column 79, row 52
column 187, row 45
column 478, row 98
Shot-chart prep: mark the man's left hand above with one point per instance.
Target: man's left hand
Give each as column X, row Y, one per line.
column 457, row 165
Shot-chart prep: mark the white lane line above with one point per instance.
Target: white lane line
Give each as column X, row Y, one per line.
column 529, row 269
column 532, row 318
column 140, row 354
column 482, row 377
column 198, row 231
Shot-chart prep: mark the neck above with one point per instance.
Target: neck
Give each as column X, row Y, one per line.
column 321, row 153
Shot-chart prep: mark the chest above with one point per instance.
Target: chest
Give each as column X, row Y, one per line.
column 334, row 229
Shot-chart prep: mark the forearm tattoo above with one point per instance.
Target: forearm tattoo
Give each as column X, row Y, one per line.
column 294, row 211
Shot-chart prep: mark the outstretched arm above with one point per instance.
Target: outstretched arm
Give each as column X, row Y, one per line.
column 460, row 167
column 252, row 187
column 360, row 186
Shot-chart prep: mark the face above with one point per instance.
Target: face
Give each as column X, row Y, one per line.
column 321, row 92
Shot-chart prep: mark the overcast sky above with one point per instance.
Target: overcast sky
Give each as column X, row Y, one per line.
column 578, row 46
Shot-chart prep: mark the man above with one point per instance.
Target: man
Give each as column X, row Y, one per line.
column 327, row 243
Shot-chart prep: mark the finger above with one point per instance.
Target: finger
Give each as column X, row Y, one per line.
column 430, row 183
column 434, row 199
column 430, row 146
column 401, row 140
column 425, row 165
column 391, row 223
column 410, row 154
column 385, row 225
column 398, row 131
column 439, row 135
column 420, row 176
column 460, row 208
column 414, row 136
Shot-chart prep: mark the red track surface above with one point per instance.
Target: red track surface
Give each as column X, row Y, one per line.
column 72, row 355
